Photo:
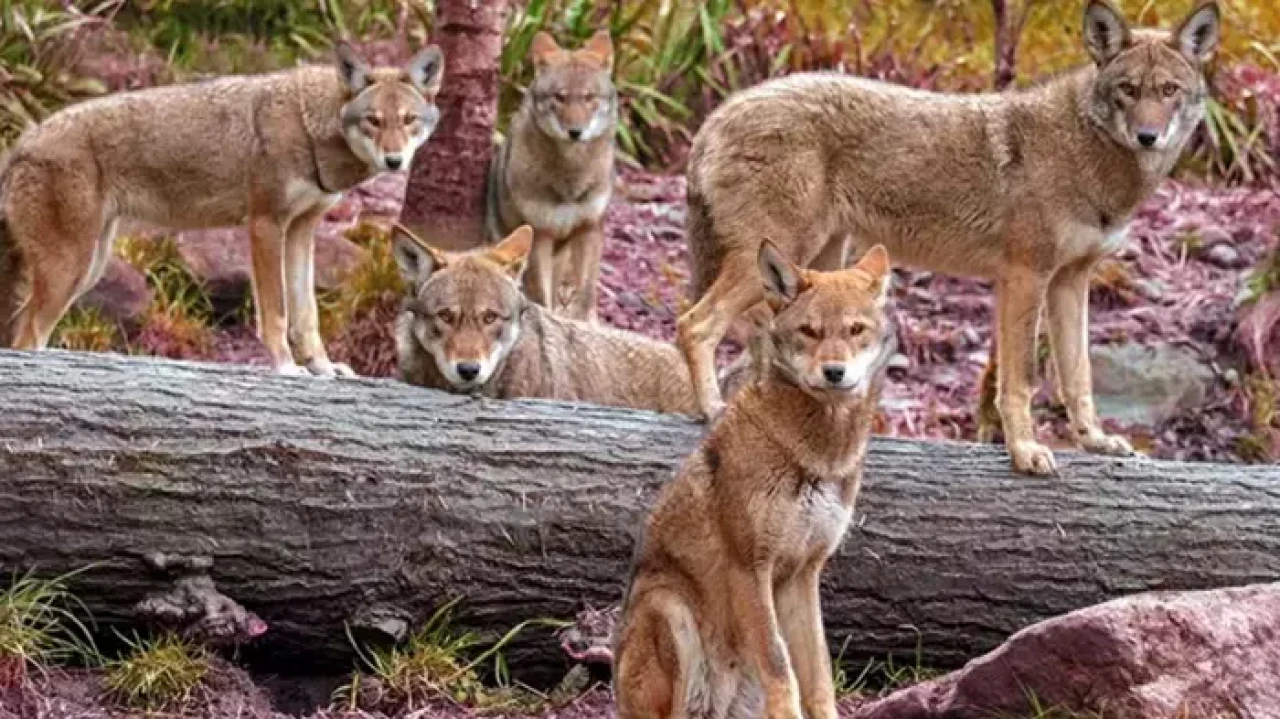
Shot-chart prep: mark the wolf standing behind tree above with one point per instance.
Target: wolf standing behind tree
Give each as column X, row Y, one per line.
column 555, row 172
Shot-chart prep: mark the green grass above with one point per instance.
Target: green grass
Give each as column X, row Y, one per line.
column 40, row 627
column 438, row 662
column 881, row 677
column 85, row 329
column 157, row 674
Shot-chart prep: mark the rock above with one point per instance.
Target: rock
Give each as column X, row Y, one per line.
column 1137, row 384
column 1225, row 256
column 122, row 295
column 220, row 259
column 1195, row 654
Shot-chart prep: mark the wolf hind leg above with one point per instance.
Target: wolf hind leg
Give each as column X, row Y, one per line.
column 661, row 670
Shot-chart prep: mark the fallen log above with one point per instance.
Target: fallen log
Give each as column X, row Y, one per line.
column 368, row 501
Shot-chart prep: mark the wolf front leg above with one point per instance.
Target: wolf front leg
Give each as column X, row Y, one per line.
column 1069, row 337
column 1020, row 293
column 699, row 331
column 755, row 620
column 302, row 313
column 585, row 250
column 540, row 276
column 800, row 617
column 266, row 244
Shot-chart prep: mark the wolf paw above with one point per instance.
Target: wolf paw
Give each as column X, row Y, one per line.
column 1099, row 442
column 1033, row 458
column 289, row 370
column 322, row 367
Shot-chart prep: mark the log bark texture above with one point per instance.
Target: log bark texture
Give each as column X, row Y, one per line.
column 444, row 200
column 319, row 500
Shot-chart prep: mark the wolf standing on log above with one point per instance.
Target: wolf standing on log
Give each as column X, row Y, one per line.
column 1029, row 189
column 277, row 149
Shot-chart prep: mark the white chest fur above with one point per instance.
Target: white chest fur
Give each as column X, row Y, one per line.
column 561, row 218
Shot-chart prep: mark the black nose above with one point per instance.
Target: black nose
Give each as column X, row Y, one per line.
column 1147, row 139
column 834, row 373
column 468, row 371
column 575, row 134
column 393, row 162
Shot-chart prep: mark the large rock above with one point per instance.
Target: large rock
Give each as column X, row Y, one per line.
column 221, row 259
column 122, row 295
column 1151, row 656
column 1145, row 385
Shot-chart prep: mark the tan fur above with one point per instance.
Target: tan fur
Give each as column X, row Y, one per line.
column 722, row 615
column 1029, row 189
column 468, row 309
column 555, row 170
column 277, row 150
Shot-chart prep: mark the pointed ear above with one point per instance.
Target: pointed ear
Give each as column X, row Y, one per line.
column 353, row 71
column 1198, row 36
column 426, row 70
column 512, row 254
column 601, row 46
column 875, row 263
column 781, row 277
column 417, row 259
column 544, row 49
column 1106, row 32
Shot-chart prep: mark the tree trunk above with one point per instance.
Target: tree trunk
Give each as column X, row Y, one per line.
column 1006, row 45
column 321, row 502
column 444, row 199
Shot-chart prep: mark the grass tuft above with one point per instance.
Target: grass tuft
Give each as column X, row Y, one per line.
column 85, row 329
column 879, row 678
column 374, row 282
column 39, row 628
column 435, row 664
column 160, row 674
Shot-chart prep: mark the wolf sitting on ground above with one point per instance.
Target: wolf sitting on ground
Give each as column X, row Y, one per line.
column 722, row 616
column 555, row 171
column 467, row 327
column 1028, row 188
column 277, row 149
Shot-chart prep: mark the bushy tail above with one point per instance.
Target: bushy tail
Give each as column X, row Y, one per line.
column 13, row 284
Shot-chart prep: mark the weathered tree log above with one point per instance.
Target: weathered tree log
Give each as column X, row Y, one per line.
column 323, row 501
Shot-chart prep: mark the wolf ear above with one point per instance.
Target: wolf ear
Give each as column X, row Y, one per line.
column 426, row 70
column 544, row 49
column 353, row 71
column 781, row 277
column 417, row 259
column 1106, row 32
column 1198, row 36
column 601, row 46
column 512, row 254
column 875, row 263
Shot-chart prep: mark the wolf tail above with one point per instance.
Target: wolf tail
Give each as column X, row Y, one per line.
column 14, row 286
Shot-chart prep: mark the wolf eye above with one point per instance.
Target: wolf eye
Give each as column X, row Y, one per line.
column 1129, row 89
column 446, row 316
column 410, row 119
column 489, row 317
column 809, row 331
column 856, row 330
column 561, row 97
column 1169, row 89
